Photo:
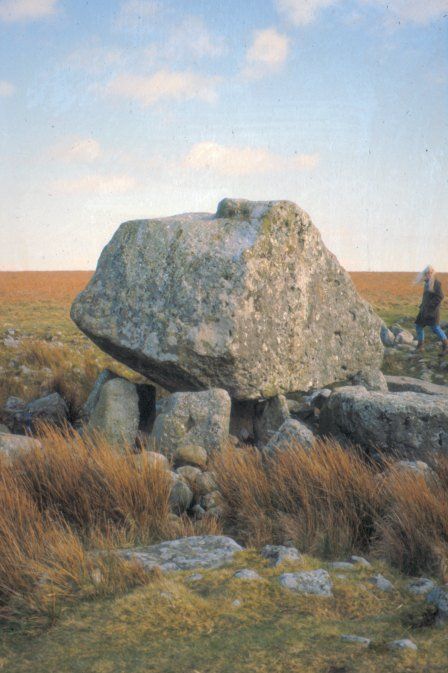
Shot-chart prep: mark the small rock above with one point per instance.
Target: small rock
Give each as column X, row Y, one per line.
column 371, row 379
column 155, row 458
column 190, row 454
column 211, row 500
column 341, row 565
column 181, row 497
column 439, row 597
column 404, row 337
column 420, row 586
column 404, row 644
column 311, row 582
column 277, row 554
column 205, row 483
column 189, row 474
column 381, row 583
column 360, row 560
column 290, row 435
column 195, row 577
column 387, row 336
column 247, row 574
column 358, row 640
column 269, row 416
column 317, row 398
column 236, row 603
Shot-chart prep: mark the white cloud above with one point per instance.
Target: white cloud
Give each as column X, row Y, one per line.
column 24, row 10
column 94, row 58
column 267, row 53
column 95, row 184
column 6, row 89
column 301, row 12
column 83, row 150
column 417, row 11
column 164, row 84
column 193, row 37
column 136, row 13
column 239, row 161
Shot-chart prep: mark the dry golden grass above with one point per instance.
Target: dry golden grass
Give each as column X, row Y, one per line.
column 59, row 287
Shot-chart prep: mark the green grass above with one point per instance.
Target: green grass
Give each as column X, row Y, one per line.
column 173, row 625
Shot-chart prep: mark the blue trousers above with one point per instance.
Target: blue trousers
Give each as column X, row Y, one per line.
column 438, row 331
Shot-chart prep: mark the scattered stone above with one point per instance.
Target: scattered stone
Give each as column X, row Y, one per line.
column 439, row 597
column 236, row 603
column 189, row 474
column 211, row 501
column 204, row 287
column 269, row 416
column 404, row 337
column 420, row 586
column 116, row 415
column 371, row 379
column 277, row 554
column 291, row 434
column 205, row 483
column 356, row 640
column 403, row 423
column 315, row 582
column 188, row 553
column 152, row 458
column 403, row 644
column 247, row 574
column 193, row 419
column 195, row 577
column 190, row 454
column 360, row 560
column 387, row 336
column 12, row 446
column 400, row 384
column 181, row 496
column 341, row 565
column 381, row 583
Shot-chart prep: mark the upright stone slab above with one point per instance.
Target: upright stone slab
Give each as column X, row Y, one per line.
column 249, row 300
column 116, row 414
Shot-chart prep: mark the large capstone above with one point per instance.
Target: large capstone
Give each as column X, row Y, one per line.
column 249, row 300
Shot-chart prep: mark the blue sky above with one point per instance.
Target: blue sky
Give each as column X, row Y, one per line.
column 115, row 110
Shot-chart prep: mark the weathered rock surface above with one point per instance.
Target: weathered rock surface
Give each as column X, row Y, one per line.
column 116, row 414
column 190, row 454
column 315, row 582
column 371, row 379
column 94, row 396
column 249, row 300
column 269, row 416
column 199, row 419
column 387, row 336
column 278, row 554
column 382, row 583
column 407, row 423
column 403, row 644
column 439, row 597
column 355, row 640
column 247, row 575
column 290, row 435
column 420, row 586
column 12, row 446
column 22, row 417
column 205, row 551
column 181, row 496
column 401, row 384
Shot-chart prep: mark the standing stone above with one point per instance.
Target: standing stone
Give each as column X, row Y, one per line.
column 193, row 419
column 92, row 400
column 249, row 300
column 116, row 414
column 269, row 416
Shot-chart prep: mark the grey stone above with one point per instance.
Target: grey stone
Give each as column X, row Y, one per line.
column 247, row 574
column 439, row 597
column 371, row 379
column 189, row 474
column 403, row 644
column 405, row 423
column 420, row 586
column 360, row 560
column 387, row 336
column 181, row 496
column 21, row 416
column 317, row 398
column 277, row 554
column 190, row 454
column 116, row 415
column 291, row 434
column 200, row 419
column 249, row 300
column 311, row 582
column 92, row 400
column 342, row 565
column 396, row 329
column 155, row 458
column 404, row 337
column 400, row 384
column 381, row 583
column 12, row 446
column 198, row 512
column 269, row 417
column 188, row 553
column 356, row 640
column 195, row 577
column 205, row 483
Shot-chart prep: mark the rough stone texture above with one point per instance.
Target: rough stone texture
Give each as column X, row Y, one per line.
column 190, row 454
column 401, row 384
column 200, row 419
column 247, row 574
column 316, row 582
column 439, row 597
column 382, row 583
column 420, row 586
column 22, row 417
column 189, row 474
column 371, row 379
column 403, row 644
column 12, row 446
column 269, row 416
column 317, row 398
column 291, row 434
column 188, row 553
column 404, row 337
column 406, row 423
column 116, row 414
column 277, row 554
column 249, row 300
column 154, row 458
column 205, row 483
column 342, row 565
column 360, row 560
column 181, row 496
column 92, row 400
column 387, row 336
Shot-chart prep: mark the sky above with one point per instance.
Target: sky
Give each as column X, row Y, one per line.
column 112, row 110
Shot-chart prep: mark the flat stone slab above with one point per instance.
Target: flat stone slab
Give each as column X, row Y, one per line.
column 188, row 553
column 355, row 640
column 401, row 384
